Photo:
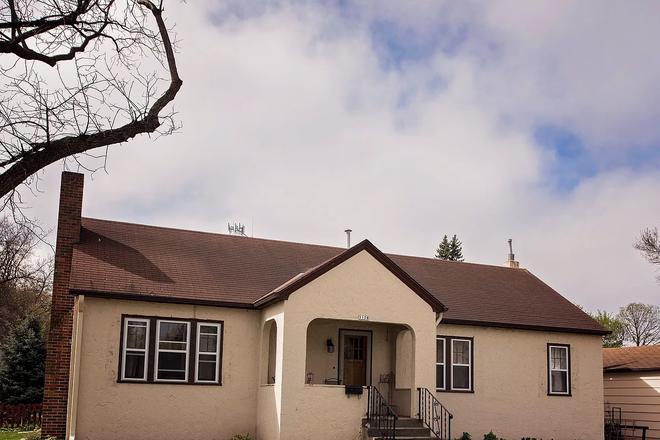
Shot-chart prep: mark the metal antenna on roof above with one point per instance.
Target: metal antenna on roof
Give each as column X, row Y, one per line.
column 348, row 238
column 236, row 229
column 511, row 256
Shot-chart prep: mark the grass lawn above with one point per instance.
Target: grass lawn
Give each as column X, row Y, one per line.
column 11, row 435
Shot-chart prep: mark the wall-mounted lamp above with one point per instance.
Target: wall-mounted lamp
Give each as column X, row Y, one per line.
column 331, row 346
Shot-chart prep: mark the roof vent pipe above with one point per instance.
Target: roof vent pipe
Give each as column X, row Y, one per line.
column 511, row 262
column 348, row 238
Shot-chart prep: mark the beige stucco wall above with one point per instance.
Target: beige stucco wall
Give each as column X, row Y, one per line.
column 510, row 386
column 269, row 397
column 638, row 396
column 359, row 286
column 111, row 410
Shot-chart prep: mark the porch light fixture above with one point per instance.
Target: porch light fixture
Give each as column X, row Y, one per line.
column 331, row 346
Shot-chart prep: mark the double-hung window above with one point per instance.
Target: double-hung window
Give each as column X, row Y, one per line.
column 135, row 349
column 454, row 364
column 171, row 350
column 559, row 369
column 208, row 353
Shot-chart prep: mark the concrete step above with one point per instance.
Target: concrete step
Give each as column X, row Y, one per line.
column 406, row 429
column 407, row 422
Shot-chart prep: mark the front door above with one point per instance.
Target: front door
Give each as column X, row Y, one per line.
column 355, row 360
column 355, row 357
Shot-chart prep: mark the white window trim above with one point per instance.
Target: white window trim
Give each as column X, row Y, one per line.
column 125, row 349
column 218, row 344
column 158, row 350
column 469, row 365
column 566, row 370
column 444, row 364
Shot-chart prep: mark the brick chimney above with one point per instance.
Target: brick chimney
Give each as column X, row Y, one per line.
column 56, row 388
column 511, row 261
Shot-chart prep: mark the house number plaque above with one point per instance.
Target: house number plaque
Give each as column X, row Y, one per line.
column 363, row 317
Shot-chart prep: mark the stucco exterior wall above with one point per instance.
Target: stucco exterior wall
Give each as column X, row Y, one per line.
column 111, row 410
column 269, row 398
column 510, row 386
column 359, row 286
column 638, row 396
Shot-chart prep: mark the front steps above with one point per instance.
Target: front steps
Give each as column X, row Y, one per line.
column 406, row 429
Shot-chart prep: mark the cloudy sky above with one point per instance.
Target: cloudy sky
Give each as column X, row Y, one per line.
column 405, row 121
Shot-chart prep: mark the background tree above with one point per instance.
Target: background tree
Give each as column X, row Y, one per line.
column 455, row 249
column 450, row 250
column 613, row 324
column 74, row 76
column 25, row 280
column 442, row 253
column 648, row 244
column 23, row 363
column 641, row 323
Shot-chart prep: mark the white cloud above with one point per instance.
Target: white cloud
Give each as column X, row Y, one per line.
column 290, row 121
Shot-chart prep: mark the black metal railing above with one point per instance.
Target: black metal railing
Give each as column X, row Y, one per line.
column 380, row 415
column 433, row 414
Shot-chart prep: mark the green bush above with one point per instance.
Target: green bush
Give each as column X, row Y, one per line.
column 241, row 437
column 490, row 436
column 466, row 436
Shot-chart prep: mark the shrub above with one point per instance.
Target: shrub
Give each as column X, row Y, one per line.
column 466, row 436
column 490, row 436
column 241, row 437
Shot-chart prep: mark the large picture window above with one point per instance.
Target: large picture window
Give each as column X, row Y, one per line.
column 168, row 350
column 559, row 369
column 454, row 364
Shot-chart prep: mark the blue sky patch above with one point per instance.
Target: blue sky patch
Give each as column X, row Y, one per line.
column 574, row 163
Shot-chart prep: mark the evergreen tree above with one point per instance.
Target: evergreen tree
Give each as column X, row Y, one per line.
column 22, row 363
column 442, row 253
column 450, row 250
column 455, row 249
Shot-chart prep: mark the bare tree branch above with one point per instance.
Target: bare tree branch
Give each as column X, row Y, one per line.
column 74, row 76
column 648, row 244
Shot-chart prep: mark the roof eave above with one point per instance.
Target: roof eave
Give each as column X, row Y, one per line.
column 524, row 326
column 160, row 299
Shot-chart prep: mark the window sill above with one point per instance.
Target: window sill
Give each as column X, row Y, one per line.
column 145, row 382
column 560, row 395
column 455, row 391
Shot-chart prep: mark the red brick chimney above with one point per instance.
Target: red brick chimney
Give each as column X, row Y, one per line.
column 56, row 388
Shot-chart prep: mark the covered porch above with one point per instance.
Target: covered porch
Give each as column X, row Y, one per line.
column 342, row 353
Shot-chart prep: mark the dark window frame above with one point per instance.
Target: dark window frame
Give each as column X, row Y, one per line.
column 449, row 364
column 569, row 382
column 152, row 344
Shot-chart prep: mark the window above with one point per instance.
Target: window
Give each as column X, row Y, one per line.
column 136, row 346
column 559, row 370
column 168, row 350
column 453, row 366
column 172, row 353
column 208, row 352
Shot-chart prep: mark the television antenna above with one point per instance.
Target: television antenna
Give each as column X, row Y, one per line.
column 236, row 229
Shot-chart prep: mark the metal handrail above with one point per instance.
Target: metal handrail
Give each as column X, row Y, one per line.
column 380, row 415
column 434, row 415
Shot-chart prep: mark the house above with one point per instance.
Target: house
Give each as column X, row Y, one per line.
column 173, row 334
column 631, row 382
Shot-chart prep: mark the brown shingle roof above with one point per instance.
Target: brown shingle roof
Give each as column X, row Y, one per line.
column 642, row 358
column 161, row 264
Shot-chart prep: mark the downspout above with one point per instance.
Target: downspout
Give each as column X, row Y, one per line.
column 438, row 318
column 74, row 375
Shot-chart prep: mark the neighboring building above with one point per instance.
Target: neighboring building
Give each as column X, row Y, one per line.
column 162, row 333
column 631, row 381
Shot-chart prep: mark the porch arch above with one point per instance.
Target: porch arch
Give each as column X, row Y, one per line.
column 269, row 352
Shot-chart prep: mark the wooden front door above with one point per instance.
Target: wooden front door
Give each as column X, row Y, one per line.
column 355, row 360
